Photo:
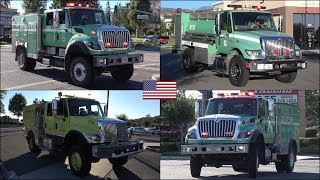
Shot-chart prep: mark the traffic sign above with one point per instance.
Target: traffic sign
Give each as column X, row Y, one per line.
column 142, row 16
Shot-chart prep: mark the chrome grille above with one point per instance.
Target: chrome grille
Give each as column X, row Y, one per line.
column 116, row 38
column 222, row 128
column 122, row 131
column 279, row 45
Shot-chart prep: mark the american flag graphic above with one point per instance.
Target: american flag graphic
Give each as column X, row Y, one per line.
column 159, row 89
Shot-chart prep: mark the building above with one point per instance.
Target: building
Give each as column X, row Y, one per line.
column 6, row 20
column 300, row 18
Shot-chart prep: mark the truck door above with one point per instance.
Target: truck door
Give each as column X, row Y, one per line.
column 48, row 30
column 61, row 119
column 63, row 29
column 224, row 43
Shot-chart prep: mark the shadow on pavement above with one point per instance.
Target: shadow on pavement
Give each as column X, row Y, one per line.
column 154, row 48
column 268, row 175
column 123, row 173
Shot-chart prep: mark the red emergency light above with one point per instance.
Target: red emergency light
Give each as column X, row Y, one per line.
column 236, row 6
column 236, row 94
column 81, row 5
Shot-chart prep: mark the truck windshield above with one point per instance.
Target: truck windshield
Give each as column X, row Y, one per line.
column 84, row 107
column 81, row 17
column 234, row 106
column 253, row 21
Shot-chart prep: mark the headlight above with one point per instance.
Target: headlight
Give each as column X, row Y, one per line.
column 93, row 45
column 254, row 53
column 245, row 134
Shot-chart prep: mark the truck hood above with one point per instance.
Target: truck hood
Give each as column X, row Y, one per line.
column 108, row 120
column 258, row 34
column 228, row 117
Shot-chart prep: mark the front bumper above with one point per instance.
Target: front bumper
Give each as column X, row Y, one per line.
column 214, row 149
column 277, row 65
column 117, row 150
column 116, row 60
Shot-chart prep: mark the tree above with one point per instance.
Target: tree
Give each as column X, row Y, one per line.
column 32, row 6
column 108, row 11
column 173, row 20
column 178, row 112
column 5, row 3
column 2, row 94
column 312, row 107
column 162, row 27
column 16, row 104
column 122, row 117
column 142, row 5
column 121, row 18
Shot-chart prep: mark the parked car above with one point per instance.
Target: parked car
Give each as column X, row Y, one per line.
column 150, row 39
column 138, row 130
column 164, row 39
column 154, row 131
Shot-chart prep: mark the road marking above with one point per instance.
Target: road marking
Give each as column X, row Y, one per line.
column 28, row 85
column 145, row 65
column 10, row 71
column 153, row 69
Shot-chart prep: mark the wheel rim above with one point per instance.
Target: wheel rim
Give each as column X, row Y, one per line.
column 186, row 62
column 76, row 161
column 20, row 61
column 236, row 71
column 79, row 72
column 291, row 160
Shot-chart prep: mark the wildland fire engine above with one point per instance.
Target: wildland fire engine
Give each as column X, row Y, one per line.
column 237, row 43
column 244, row 131
column 78, row 128
column 76, row 38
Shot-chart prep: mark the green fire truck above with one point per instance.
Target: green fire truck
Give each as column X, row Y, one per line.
column 236, row 43
column 244, row 131
column 76, row 38
column 77, row 127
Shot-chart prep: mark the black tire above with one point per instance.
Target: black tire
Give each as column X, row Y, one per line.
column 188, row 61
column 287, row 161
column 238, row 73
column 25, row 63
column 81, row 154
column 287, row 77
column 195, row 165
column 118, row 161
column 253, row 163
column 237, row 168
column 32, row 145
column 81, row 72
column 95, row 160
column 123, row 73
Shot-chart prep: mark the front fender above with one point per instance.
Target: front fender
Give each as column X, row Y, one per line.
column 77, row 46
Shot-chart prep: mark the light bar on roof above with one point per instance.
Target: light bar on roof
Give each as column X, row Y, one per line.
column 236, row 6
column 241, row 94
column 81, row 5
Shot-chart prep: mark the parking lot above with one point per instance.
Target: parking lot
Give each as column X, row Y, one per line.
column 45, row 77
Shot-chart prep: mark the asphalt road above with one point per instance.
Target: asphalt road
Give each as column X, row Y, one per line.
column 174, row 168
column 172, row 69
column 45, row 77
column 16, row 157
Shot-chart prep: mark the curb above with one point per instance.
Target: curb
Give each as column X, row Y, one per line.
column 155, row 77
column 154, row 148
column 175, row 158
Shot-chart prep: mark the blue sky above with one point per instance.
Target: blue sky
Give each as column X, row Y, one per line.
column 186, row 4
column 129, row 102
column 17, row 4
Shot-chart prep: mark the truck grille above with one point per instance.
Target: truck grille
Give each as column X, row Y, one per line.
column 276, row 48
column 222, row 128
column 116, row 39
column 122, row 132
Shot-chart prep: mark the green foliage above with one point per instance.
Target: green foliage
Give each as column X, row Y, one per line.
column 121, row 18
column 170, row 136
column 122, row 117
column 311, row 149
column 5, row 3
column 173, row 20
column 150, row 32
column 178, row 112
column 312, row 107
column 162, row 27
column 304, row 142
column 16, row 104
column 2, row 94
column 33, row 6
column 143, row 5
column 311, row 132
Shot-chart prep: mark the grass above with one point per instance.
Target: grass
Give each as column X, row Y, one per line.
column 171, row 43
column 137, row 39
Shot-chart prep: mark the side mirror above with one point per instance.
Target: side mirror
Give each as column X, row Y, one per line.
column 280, row 24
column 271, row 107
column 217, row 23
column 54, row 107
column 105, row 108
